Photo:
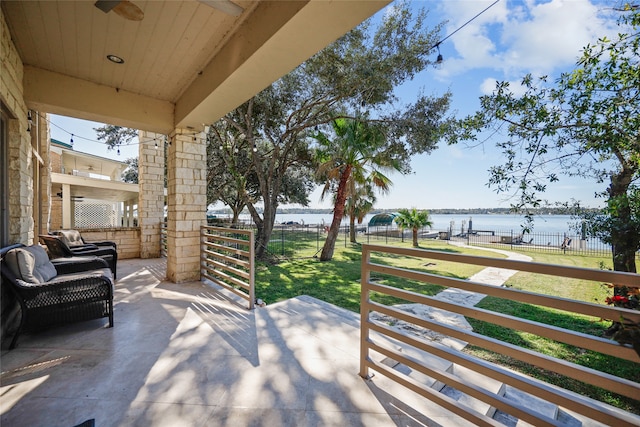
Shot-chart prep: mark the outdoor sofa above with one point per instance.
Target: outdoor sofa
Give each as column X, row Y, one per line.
column 59, row 249
column 55, row 293
column 75, row 241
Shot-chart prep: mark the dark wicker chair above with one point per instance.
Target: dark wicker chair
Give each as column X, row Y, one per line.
column 51, row 294
column 76, row 242
column 59, row 249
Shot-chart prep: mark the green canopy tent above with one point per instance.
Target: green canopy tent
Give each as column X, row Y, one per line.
column 382, row 220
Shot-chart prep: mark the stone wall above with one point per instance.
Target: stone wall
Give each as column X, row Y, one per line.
column 151, row 196
column 20, row 152
column 20, row 165
column 127, row 239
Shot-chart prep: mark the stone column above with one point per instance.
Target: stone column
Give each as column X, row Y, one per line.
column 44, row 137
column 151, row 195
column 186, row 202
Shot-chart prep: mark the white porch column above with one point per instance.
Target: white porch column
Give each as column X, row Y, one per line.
column 151, row 196
column 66, row 206
column 125, row 214
column 186, row 200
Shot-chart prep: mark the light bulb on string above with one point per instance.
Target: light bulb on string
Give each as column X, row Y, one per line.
column 156, row 145
column 255, row 148
column 71, row 142
column 439, row 59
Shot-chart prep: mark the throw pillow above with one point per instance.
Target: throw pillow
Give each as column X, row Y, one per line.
column 71, row 237
column 31, row 264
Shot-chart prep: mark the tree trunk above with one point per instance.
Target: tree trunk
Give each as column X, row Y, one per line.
column 264, row 229
column 236, row 215
column 414, row 233
column 624, row 235
column 352, row 229
column 338, row 213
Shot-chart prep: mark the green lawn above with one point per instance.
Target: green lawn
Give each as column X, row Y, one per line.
column 338, row 282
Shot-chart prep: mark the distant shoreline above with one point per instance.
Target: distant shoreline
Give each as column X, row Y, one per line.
column 470, row 211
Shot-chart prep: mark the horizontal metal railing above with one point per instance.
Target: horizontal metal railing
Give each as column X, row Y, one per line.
column 371, row 331
column 227, row 258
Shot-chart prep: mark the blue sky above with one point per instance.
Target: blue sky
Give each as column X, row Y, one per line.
column 506, row 42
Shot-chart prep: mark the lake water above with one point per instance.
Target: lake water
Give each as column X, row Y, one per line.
column 442, row 222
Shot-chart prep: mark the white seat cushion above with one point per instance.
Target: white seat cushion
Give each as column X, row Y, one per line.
column 31, row 264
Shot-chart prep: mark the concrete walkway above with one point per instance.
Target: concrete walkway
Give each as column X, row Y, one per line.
column 490, row 275
column 191, row 355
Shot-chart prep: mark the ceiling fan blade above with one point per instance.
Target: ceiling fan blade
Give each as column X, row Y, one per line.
column 226, row 6
column 124, row 8
column 106, row 5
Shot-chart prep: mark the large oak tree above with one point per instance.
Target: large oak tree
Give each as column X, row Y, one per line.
column 359, row 72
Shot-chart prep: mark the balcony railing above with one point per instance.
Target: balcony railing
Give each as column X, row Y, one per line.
column 227, row 259
column 375, row 334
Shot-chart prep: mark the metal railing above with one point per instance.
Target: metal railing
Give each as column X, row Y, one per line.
column 227, row 258
column 564, row 243
column 163, row 239
column 293, row 241
column 374, row 334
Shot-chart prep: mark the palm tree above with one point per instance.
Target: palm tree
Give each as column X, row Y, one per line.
column 413, row 219
column 355, row 156
column 358, row 206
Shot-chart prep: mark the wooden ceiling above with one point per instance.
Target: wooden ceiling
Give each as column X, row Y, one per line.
column 185, row 63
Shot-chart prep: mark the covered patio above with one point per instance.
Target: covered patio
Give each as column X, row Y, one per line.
column 184, row 352
column 193, row 355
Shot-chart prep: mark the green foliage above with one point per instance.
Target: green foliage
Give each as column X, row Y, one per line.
column 115, row 136
column 358, row 72
column 130, row 174
column 585, row 124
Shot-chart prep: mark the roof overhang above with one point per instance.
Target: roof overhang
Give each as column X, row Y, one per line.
column 186, row 63
column 96, row 189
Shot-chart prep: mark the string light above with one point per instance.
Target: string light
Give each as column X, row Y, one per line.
column 437, row 45
column 167, row 139
column 50, row 122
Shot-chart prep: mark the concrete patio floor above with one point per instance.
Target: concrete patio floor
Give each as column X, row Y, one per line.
column 191, row 355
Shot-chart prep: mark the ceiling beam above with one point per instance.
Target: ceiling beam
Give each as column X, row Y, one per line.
column 269, row 44
column 69, row 96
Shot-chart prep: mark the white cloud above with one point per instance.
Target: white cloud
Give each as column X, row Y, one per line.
column 516, row 38
column 488, row 85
